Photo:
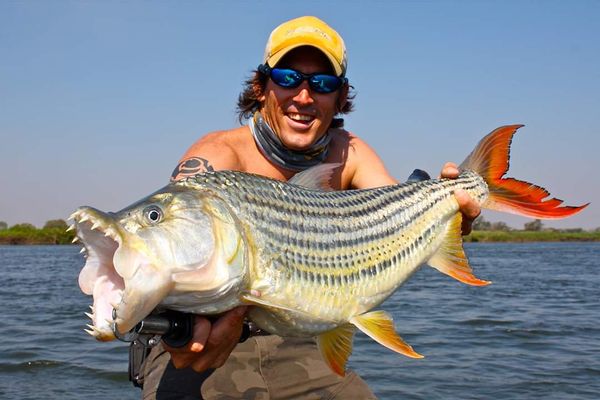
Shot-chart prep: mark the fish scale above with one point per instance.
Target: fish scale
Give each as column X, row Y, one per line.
column 384, row 234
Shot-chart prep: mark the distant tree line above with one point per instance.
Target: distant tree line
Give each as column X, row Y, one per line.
column 481, row 224
column 53, row 232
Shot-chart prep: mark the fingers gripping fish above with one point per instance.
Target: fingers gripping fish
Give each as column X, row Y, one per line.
column 311, row 262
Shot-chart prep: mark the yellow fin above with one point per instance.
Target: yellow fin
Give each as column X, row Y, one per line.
column 335, row 346
column 450, row 257
column 380, row 326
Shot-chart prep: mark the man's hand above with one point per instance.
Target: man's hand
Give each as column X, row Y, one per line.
column 211, row 344
column 468, row 207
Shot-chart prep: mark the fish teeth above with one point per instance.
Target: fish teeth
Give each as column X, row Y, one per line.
column 110, row 231
column 75, row 239
column 97, row 332
column 91, row 316
column 71, row 227
column 84, row 218
column 95, row 225
column 89, row 332
column 82, row 250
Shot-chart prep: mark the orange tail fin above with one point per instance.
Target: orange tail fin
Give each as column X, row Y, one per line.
column 490, row 160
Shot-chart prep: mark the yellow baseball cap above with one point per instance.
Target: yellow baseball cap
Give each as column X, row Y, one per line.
column 306, row 31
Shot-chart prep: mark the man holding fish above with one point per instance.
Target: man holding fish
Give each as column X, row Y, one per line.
column 292, row 102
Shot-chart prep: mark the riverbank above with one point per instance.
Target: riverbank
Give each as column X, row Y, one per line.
column 533, row 236
column 26, row 235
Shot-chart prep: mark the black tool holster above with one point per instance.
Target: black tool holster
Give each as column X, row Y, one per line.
column 138, row 352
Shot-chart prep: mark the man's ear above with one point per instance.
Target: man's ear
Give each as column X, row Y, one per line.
column 258, row 89
column 259, row 93
column 342, row 97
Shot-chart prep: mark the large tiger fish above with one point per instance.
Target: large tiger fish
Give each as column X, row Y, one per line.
column 311, row 262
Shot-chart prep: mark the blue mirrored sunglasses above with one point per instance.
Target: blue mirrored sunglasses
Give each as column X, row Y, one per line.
column 290, row 78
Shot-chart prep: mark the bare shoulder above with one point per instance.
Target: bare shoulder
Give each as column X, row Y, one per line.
column 351, row 143
column 217, row 150
column 363, row 166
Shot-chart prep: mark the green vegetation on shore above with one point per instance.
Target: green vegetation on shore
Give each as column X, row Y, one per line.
column 55, row 232
column 533, row 236
column 533, row 231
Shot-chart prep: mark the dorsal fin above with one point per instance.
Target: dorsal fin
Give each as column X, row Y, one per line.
column 317, row 177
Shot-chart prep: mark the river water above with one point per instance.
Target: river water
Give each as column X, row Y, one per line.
column 533, row 334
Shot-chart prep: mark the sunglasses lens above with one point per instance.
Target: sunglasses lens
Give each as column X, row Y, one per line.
column 320, row 83
column 286, row 77
column 323, row 83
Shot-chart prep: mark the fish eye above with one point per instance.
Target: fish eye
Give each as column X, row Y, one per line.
column 153, row 214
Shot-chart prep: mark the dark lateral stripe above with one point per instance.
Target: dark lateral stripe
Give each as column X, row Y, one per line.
column 289, row 222
column 348, row 203
column 364, row 230
column 261, row 192
column 374, row 230
column 329, row 207
column 332, row 210
column 363, row 225
column 360, row 270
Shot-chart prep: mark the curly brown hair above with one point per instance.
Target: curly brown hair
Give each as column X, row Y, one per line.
column 254, row 88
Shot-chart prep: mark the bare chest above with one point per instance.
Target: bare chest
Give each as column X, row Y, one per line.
column 253, row 161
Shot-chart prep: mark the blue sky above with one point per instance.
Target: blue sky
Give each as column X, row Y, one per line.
column 99, row 99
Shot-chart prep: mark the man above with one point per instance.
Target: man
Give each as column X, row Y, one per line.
column 292, row 102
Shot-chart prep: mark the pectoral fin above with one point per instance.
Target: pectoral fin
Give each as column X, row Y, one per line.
column 450, row 257
column 380, row 326
column 336, row 346
column 250, row 299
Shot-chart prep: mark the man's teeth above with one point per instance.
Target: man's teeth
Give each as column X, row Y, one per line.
column 300, row 117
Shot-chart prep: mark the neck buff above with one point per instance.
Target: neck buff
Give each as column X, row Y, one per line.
column 276, row 152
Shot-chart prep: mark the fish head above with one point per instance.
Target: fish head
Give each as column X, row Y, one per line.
column 136, row 257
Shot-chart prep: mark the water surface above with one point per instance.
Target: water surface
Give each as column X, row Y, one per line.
column 534, row 333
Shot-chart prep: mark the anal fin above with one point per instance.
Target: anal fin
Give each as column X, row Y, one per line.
column 336, row 346
column 379, row 325
column 451, row 258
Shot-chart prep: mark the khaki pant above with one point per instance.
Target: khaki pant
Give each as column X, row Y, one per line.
column 263, row 367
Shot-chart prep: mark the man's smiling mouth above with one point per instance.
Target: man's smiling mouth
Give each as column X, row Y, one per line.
column 303, row 118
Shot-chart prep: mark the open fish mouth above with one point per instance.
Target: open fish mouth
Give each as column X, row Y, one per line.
column 125, row 284
column 100, row 237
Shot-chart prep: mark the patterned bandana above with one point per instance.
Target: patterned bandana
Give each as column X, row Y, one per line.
column 277, row 153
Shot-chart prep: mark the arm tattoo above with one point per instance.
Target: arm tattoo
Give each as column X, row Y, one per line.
column 190, row 167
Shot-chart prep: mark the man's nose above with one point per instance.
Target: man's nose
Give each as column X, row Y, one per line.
column 304, row 96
